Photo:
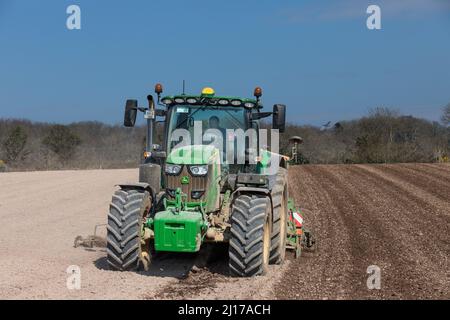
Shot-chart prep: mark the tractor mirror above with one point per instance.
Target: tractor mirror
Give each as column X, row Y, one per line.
column 279, row 117
column 260, row 115
column 131, row 108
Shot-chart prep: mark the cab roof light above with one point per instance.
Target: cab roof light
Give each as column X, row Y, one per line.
column 158, row 88
column 236, row 102
column 191, row 100
column 258, row 92
column 208, row 92
column 167, row 101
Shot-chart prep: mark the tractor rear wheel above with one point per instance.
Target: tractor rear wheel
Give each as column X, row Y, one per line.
column 249, row 247
column 280, row 216
column 125, row 249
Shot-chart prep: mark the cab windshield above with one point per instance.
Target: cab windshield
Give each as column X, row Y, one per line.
column 187, row 117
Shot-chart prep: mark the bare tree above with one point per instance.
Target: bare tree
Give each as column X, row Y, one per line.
column 62, row 141
column 14, row 144
column 446, row 115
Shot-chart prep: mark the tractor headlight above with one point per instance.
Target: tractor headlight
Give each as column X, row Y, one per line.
column 236, row 103
column 191, row 101
column 198, row 171
column 179, row 100
column 167, row 101
column 173, row 169
column 250, row 105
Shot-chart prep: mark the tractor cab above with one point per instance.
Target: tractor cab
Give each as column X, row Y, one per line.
column 209, row 119
column 193, row 122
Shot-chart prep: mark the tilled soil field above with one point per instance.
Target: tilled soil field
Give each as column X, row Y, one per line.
column 396, row 217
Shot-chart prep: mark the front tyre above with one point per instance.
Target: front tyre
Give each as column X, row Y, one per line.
column 125, row 249
column 249, row 248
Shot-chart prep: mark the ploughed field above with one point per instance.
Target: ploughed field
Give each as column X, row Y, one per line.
column 396, row 217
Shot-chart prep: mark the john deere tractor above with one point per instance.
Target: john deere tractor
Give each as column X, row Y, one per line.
column 194, row 188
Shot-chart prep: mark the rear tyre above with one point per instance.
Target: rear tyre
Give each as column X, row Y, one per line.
column 249, row 247
column 128, row 210
column 280, row 216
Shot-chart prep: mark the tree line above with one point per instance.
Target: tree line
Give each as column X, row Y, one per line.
column 383, row 136
column 26, row 145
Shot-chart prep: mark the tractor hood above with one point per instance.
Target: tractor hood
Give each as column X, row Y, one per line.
column 194, row 154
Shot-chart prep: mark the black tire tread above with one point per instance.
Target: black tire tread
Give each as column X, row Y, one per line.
column 278, row 192
column 123, row 230
column 246, row 243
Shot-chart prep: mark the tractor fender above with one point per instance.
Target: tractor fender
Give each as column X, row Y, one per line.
column 139, row 186
column 253, row 190
column 263, row 191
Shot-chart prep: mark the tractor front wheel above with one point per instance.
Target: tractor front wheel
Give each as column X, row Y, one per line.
column 125, row 248
column 249, row 247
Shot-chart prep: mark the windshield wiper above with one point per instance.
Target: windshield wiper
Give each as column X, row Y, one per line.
column 193, row 113
column 236, row 121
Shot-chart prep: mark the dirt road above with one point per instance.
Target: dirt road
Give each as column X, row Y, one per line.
column 395, row 216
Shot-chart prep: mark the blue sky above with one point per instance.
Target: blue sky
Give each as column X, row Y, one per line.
column 317, row 57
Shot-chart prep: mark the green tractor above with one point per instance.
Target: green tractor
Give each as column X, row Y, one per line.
column 190, row 192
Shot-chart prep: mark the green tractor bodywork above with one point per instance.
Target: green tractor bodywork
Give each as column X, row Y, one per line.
column 181, row 226
column 181, row 231
column 188, row 195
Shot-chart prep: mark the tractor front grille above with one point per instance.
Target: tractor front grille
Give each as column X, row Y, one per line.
column 195, row 184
